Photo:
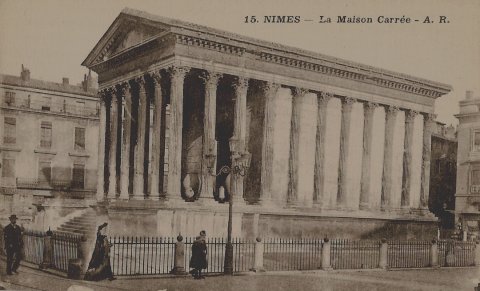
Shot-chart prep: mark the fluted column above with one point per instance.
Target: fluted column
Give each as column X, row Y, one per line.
column 101, row 148
column 112, row 161
column 390, row 119
column 209, row 124
column 270, row 91
column 428, row 121
column 175, row 130
column 126, row 135
column 155, row 166
column 298, row 94
column 347, row 106
column 319, row 172
column 407, row 157
column 138, row 176
column 237, row 142
column 369, row 111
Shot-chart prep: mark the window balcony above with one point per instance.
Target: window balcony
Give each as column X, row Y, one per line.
column 59, row 107
column 58, row 185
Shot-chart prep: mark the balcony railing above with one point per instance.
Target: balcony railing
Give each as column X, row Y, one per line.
column 60, row 185
column 56, row 107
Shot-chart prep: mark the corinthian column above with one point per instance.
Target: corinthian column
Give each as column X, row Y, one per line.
column 138, row 176
column 101, row 148
column 126, row 134
column 112, row 184
column 407, row 157
column 319, row 173
column 156, row 168
column 209, row 142
column 237, row 142
column 347, row 106
column 270, row 91
column 369, row 111
column 175, row 130
column 294, row 170
column 428, row 121
column 390, row 119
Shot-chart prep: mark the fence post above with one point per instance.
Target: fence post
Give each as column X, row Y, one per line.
column 477, row 253
column 47, row 261
column 434, row 254
column 383, row 262
column 258, row 260
column 326, row 255
column 179, row 263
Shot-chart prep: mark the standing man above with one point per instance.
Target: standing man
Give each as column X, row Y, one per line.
column 12, row 235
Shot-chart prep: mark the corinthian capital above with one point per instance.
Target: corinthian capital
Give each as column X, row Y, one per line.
column 348, row 101
column 270, row 88
column 390, row 109
column 410, row 115
column 210, row 79
column 429, row 117
column 178, row 72
column 299, row 92
column 324, row 97
column 241, row 84
column 156, row 77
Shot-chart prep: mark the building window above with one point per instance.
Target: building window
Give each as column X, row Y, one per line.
column 47, row 103
column 44, row 171
column 79, row 107
column 475, row 181
column 46, row 134
column 79, row 139
column 476, row 140
column 10, row 98
column 78, row 176
column 10, row 125
column 8, row 168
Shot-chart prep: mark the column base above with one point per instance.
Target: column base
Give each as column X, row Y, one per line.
column 124, row 196
column 206, row 201
column 138, row 196
column 364, row 206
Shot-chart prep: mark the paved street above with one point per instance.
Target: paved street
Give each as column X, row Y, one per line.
column 425, row 279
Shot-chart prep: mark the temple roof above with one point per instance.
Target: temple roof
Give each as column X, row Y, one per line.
column 159, row 26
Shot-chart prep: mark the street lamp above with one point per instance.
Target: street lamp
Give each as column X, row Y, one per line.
column 240, row 165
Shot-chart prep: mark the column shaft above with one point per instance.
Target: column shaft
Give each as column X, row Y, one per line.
column 156, row 169
column 101, row 149
column 407, row 157
column 347, row 105
column 126, row 127
column 112, row 184
column 270, row 91
column 319, row 174
column 175, row 131
column 298, row 94
column 138, row 178
column 426, row 155
column 390, row 119
column 369, row 111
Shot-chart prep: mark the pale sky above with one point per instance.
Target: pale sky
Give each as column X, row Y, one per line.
column 53, row 37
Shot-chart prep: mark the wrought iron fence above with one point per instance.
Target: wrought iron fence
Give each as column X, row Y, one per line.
column 292, row 254
column 453, row 253
column 354, row 254
column 408, row 254
column 33, row 246
column 65, row 247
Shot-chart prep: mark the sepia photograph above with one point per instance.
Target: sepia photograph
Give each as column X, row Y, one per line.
column 169, row 145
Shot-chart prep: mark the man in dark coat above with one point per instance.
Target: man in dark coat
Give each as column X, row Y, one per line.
column 198, row 261
column 12, row 235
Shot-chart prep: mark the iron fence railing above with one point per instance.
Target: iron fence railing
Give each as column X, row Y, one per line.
column 33, row 246
column 49, row 184
column 354, row 254
column 408, row 254
column 65, row 247
column 453, row 253
column 292, row 254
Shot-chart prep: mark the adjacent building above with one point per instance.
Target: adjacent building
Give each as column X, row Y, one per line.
column 48, row 141
column 318, row 145
column 467, row 196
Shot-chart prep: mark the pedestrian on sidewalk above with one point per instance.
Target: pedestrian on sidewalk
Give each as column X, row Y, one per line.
column 198, row 261
column 99, row 267
column 12, row 235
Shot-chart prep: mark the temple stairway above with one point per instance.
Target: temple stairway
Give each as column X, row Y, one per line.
column 84, row 224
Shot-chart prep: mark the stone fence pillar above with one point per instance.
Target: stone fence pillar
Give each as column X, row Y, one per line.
column 477, row 254
column 383, row 261
column 258, row 261
column 78, row 267
column 434, row 254
column 179, row 263
column 47, row 250
column 326, row 265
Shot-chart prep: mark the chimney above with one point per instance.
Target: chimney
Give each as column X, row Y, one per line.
column 87, row 83
column 65, row 81
column 25, row 74
column 469, row 95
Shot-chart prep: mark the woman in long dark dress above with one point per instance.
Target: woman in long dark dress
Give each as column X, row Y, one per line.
column 198, row 261
column 99, row 267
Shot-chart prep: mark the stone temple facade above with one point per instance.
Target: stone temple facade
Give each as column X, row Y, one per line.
column 335, row 148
